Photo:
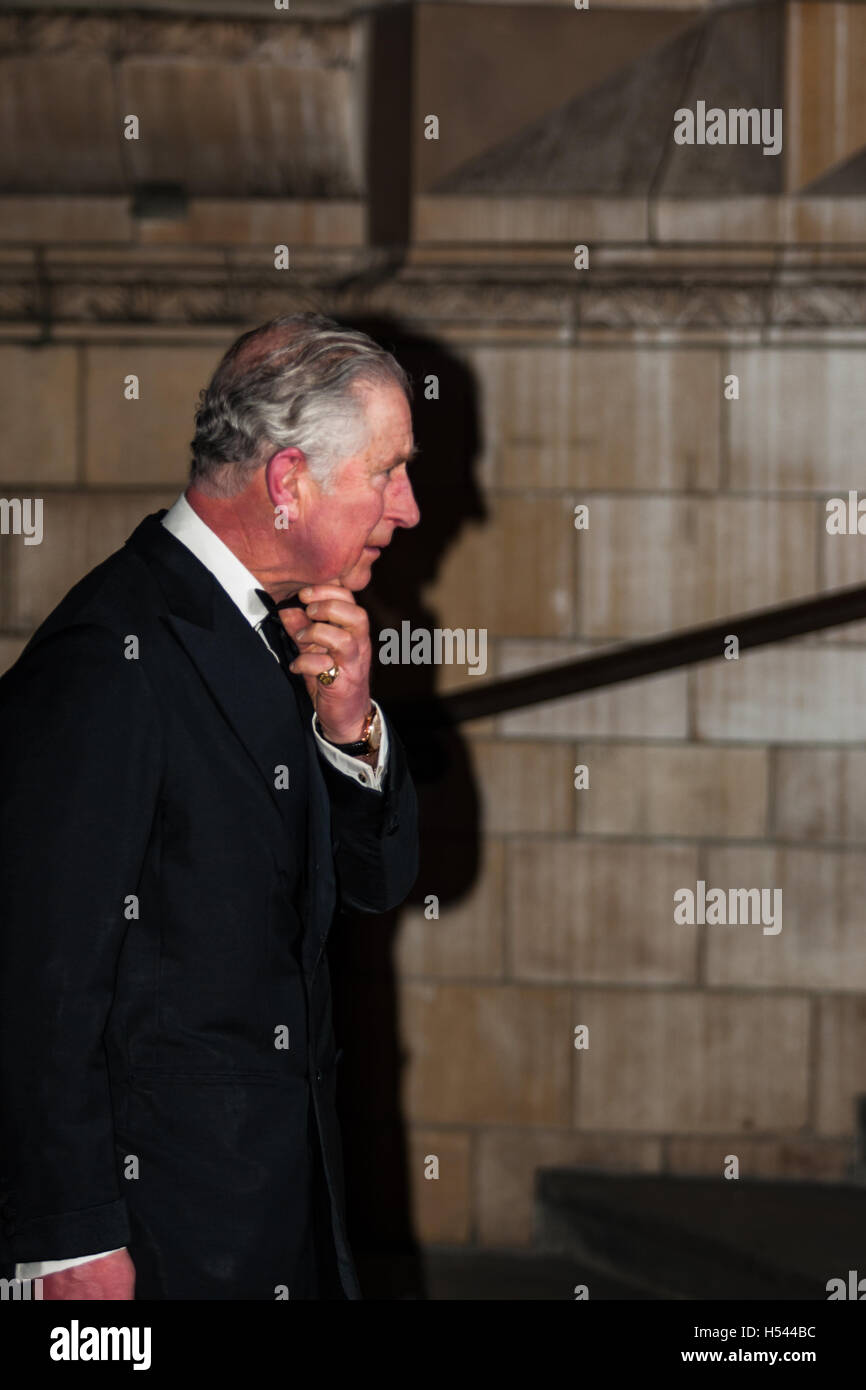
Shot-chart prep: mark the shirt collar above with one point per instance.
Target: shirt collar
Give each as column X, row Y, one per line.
column 187, row 526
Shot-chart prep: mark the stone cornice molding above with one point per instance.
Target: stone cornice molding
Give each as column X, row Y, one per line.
column 298, row 42
column 62, row 288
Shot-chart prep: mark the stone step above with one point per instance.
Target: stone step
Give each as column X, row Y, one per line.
column 704, row 1238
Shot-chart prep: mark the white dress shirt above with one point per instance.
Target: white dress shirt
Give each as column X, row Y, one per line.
column 187, row 526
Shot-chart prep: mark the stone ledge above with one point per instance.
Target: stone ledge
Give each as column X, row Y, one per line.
column 71, row 223
column 181, row 285
column 197, row 31
column 736, row 221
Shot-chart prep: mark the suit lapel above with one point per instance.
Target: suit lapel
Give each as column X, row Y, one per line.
column 242, row 677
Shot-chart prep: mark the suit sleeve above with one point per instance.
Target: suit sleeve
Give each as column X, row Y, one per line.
column 80, row 757
column 375, row 835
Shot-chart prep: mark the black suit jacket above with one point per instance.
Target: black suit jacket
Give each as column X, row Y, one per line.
column 167, row 1058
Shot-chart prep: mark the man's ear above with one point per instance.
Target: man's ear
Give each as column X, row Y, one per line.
column 282, row 474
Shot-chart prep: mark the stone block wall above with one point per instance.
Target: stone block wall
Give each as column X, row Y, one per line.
column 603, row 387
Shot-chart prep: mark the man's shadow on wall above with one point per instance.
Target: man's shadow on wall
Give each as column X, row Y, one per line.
column 361, row 949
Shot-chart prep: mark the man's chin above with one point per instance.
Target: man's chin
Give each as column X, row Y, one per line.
column 359, row 576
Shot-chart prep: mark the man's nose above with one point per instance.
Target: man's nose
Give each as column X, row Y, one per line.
column 404, row 510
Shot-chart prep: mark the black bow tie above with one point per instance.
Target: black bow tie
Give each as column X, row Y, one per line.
column 278, row 639
column 271, row 604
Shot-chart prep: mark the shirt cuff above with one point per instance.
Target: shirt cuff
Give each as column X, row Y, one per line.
column 37, row 1269
column 362, row 772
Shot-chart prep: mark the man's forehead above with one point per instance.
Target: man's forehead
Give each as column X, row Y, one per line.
column 381, row 396
column 388, row 414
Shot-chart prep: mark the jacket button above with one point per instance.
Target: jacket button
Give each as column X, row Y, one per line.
column 318, row 1076
column 393, row 826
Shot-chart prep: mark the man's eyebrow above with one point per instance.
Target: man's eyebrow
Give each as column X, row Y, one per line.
column 407, row 458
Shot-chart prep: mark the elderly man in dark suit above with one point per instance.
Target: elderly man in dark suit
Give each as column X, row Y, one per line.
column 193, row 779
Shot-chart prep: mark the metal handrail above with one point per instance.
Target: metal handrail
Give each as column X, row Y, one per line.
column 634, row 660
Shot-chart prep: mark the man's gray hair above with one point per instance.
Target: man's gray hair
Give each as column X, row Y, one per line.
column 292, row 382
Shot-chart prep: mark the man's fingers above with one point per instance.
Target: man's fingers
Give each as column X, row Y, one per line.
column 333, row 589
column 333, row 639
column 332, row 610
column 312, row 663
